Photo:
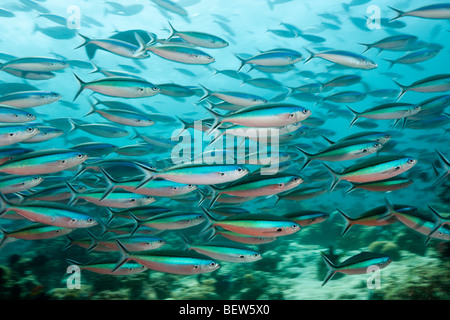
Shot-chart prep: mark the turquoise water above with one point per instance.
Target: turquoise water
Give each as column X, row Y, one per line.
column 291, row 267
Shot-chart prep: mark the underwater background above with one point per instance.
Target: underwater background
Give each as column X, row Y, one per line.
column 292, row 266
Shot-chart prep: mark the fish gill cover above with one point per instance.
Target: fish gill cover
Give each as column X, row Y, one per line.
column 199, row 149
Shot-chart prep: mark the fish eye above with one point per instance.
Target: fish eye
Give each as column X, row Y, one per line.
column 281, row 185
column 387, row 136
column 175, row 188
column 79, row 155
column 54, row 94
column 11, row 134
column 29, row 115
column 364, row 150
column 279, row 229
column 132, row 200
column 195, row 266
column 155, row 88
column 221, row 174
column 141, row 90
column 377, row 145
column 190, row 186
column 305, row 111
column 36, row 178
column 90, row 220
column 410, row 161
column 212, row 264
column 199, row 217
column 62, row 161
column 295, row 226
column 239, row 169
column 296, row 179
column 160, row 241
column 209, row 57
column 291, row 115
column 397, row 168
column 256, row 255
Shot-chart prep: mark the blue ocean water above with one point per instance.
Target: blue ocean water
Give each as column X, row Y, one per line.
column 319, row 26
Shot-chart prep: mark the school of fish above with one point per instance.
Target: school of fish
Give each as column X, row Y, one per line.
column 106, row 181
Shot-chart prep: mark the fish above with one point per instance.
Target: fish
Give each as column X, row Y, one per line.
column 429, row 226
column 180, row 53
column 119, row 47
column 342, row 151
column 307, row 217
column 53, row 17
column 106, row 267
column 303, row 193
column 345, row 58
column 378, row 216
column 123, row 87
column 245, row 239
column 393, row 43
column 171, row 6
column 56, row 32
column 260, row 186
column 446, row 170
column 36, row 64
column 174, row 261
column 18, row 183
column 342, row 81
column 237, row 98
column 200, row 39
column 127, row 118
column 155, row 187
column 436, row 83
column 35, row 231
column 43, row 162
column 29, row 99
column 134, row 243
column 224, row 251
column 197, row 174
column 117, row 199
column 52, row 214
column 373, row 169
column 96, row 149
column 357, row 264
column 387, row 185
column 99, row 129
column 256, row 224
column 262, row 115
column 414, row 57
column 274, row 58
column 432, row 11
column 387, row 111
column 169, row 221
column 11, row 134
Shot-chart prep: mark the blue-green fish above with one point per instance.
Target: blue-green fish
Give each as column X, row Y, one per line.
column 358, row 264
